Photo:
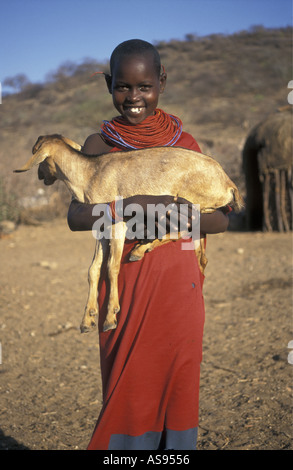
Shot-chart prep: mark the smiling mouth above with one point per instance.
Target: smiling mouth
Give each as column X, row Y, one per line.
column 134, row 109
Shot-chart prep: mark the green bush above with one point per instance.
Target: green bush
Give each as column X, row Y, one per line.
column 9, row 208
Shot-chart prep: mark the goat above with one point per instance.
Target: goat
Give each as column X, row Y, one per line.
column 157, row 171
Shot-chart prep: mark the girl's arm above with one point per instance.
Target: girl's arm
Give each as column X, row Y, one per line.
column 80, row 216
column 216, row 222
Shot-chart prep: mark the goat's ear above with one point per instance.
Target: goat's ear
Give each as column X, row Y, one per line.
column 71, row 143
column 37, row 158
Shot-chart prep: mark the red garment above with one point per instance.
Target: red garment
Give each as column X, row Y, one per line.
column 151, row 362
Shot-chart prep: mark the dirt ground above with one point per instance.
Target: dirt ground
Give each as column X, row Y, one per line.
column 50, row 388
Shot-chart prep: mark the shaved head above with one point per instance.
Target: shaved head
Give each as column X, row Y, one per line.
column 135, row 47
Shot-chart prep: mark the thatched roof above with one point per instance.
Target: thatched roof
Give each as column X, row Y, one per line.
column 272, row 142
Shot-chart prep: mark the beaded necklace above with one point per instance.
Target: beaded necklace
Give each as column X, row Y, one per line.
column 161, row 129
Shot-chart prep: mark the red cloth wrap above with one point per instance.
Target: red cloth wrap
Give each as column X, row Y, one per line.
column 150, row 364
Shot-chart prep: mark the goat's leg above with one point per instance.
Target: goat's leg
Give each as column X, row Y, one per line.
column 114, row 260
column 200, row 254
column 139, row 251
column 91, row 309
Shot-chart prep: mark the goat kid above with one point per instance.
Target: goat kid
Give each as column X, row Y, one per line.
column 154, row 171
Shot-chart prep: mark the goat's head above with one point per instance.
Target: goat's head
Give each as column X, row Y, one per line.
column 43, row 152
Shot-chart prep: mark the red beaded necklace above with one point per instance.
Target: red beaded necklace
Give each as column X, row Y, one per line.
column 160, row 130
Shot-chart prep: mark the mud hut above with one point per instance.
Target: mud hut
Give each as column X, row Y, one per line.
column 267, row 165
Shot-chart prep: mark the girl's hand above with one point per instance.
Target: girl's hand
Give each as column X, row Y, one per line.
column 156, row 216
column 180, row 216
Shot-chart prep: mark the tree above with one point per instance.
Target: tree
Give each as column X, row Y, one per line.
column 18, row 82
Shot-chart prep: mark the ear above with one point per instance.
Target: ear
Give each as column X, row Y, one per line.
column 71, row 143
column 108, row 79
column 37, row 158
column 163, row 80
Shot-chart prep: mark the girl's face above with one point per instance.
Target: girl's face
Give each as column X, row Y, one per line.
column 135, row 87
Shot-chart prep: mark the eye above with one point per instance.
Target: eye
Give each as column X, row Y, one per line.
column 121, row 87
column 145, row 87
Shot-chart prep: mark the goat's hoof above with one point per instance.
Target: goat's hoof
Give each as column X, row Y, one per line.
column 109, row 325
column 134, row 257
column 87, row 327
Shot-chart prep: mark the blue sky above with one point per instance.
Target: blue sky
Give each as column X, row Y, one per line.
column 39, row 35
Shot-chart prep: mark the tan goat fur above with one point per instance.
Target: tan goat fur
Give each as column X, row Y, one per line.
column 156, row 171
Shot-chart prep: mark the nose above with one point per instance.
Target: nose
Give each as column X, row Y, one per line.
column 133, row 95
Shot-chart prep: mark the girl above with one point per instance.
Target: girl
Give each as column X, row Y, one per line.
column 150, row 363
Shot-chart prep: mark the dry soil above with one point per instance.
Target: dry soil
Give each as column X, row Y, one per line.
column 50, row 387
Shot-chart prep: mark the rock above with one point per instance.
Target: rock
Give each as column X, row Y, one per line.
column 48, row 264
column 7, row 227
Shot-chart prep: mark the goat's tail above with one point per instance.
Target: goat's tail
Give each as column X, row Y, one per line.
column 238, row 201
